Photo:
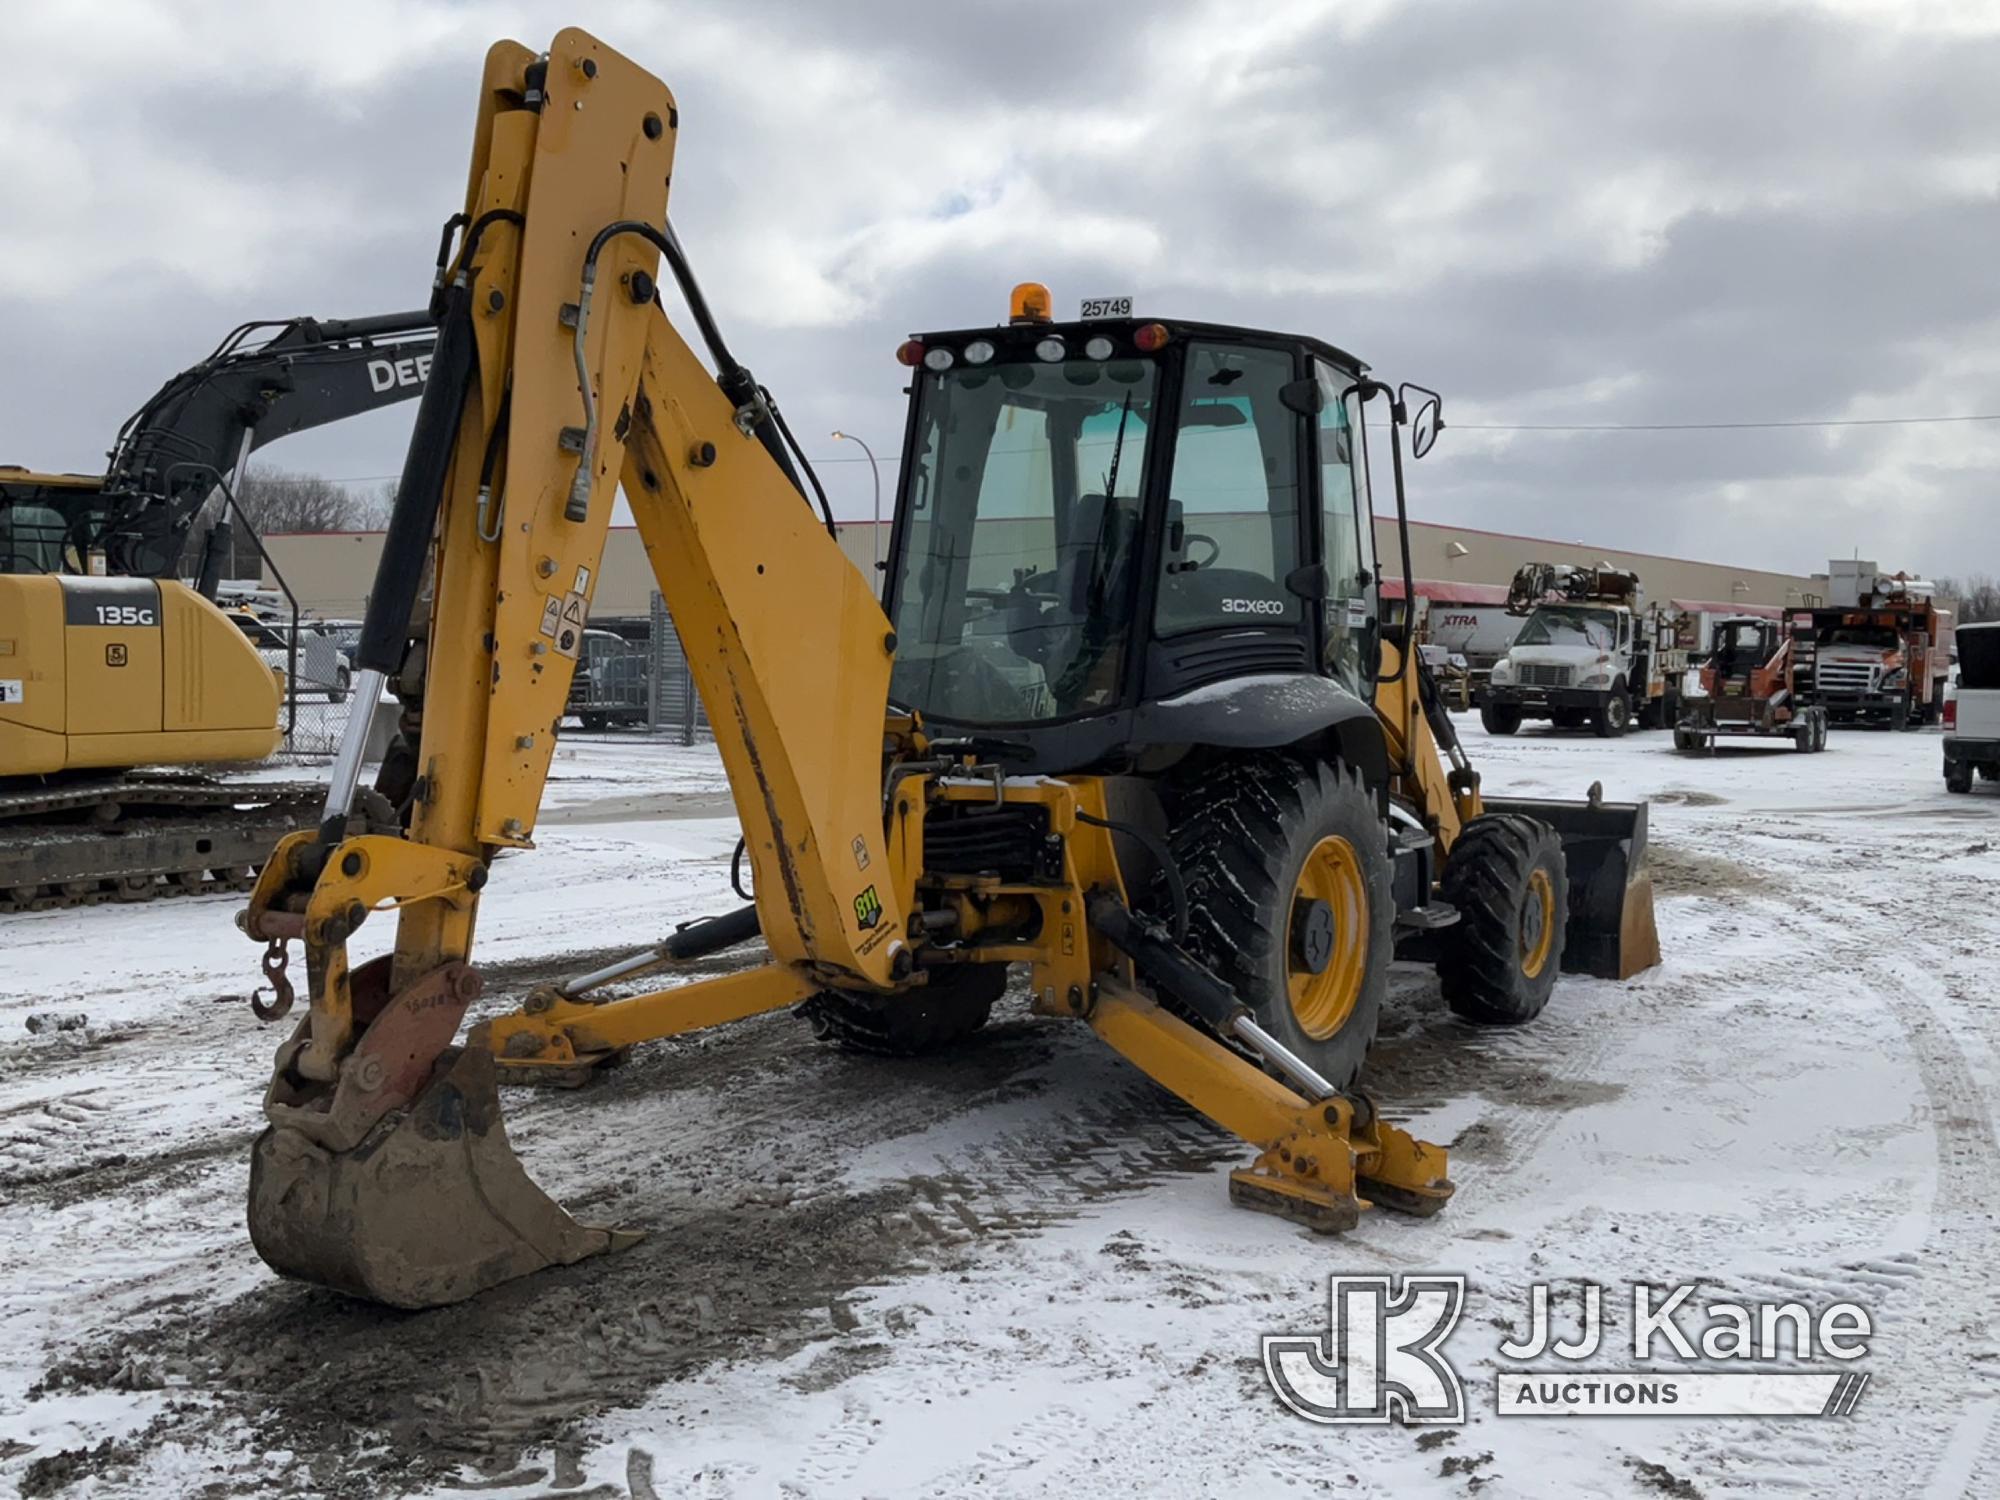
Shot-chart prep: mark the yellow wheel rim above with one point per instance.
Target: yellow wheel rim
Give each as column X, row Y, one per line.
column 1538, row 924
column 1323, row 1000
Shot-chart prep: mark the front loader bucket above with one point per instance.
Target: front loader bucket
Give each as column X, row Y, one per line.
column 429, row 1208
column 1611, row 933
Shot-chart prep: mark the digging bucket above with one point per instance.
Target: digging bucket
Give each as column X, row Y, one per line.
column 429, row 1207
column 1611, row 931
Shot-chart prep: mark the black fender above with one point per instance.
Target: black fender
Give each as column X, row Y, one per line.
column 1271, row 711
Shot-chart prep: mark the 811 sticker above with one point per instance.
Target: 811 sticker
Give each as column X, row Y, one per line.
column 867, row 909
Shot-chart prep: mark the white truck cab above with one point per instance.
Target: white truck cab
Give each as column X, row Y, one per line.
column 1589, row 652
column 1972, row 709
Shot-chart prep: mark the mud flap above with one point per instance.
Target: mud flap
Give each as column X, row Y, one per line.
column 1611, row 930
column 431, row 1207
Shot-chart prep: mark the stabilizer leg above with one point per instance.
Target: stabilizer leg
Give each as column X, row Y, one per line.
column 1321, row 1162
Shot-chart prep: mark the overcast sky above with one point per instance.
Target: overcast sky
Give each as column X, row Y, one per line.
column 1555, row 211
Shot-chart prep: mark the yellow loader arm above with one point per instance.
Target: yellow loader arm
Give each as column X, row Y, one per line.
column 385, row 1171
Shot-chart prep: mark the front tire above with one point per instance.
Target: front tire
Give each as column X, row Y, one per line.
column 1507, row 878
column 1611, row 718
column 1290, row 901
column 1500, row 718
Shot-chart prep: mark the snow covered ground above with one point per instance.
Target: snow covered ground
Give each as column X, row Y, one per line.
column 1015, row 1270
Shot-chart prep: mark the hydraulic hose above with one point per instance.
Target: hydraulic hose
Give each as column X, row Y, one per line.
column 385, row 631
column 420, row 490
column 733, row 379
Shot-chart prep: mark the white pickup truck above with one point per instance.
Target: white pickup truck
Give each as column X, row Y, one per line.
column 1972, row 710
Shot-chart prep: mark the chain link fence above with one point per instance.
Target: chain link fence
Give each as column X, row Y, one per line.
column 631, row 678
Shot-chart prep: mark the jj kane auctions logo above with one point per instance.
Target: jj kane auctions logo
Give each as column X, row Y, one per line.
column 1381, row 1357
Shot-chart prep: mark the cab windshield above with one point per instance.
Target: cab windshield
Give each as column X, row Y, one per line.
column 31, row 538
column 1570, row 627
column 1016, row 569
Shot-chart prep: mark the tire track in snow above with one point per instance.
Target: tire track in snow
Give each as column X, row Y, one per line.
column 1919, row 1301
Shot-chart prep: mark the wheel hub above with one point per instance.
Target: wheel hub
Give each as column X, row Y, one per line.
column 1312, row 936
column 1327, row 939
column 1538, row 910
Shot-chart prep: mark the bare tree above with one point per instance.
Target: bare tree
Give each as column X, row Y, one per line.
column 1977, row 596
column 275, row 501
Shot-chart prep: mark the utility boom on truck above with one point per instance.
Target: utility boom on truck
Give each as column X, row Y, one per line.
column 1591, row 651
column 1879, row 650
column 1066, row 746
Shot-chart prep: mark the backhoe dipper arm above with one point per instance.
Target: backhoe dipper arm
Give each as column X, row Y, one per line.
column 787, row 645
column 504, row 503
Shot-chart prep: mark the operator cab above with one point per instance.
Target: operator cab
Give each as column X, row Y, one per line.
column 1103, row 523
column 1744, row 645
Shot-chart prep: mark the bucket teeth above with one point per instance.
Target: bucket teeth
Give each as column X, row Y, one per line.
column 431, row 1207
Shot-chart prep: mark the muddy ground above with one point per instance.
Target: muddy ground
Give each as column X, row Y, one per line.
column 1013, row 1269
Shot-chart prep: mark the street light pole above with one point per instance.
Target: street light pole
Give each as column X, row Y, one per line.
column 876, row 531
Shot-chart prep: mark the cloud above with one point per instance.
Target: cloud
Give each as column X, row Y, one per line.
column 1555, row 211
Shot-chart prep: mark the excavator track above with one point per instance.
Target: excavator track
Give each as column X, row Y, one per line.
column 141, row 837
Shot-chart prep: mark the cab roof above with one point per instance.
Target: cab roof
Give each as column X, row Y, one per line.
column 1124, row 328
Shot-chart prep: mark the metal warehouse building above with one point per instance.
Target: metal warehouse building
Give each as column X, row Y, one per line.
column 331, row 572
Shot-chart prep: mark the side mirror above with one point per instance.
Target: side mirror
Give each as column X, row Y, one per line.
column 1427, row 421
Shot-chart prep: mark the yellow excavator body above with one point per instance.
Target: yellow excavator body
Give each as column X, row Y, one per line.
column 102, row 673
column 902, row 869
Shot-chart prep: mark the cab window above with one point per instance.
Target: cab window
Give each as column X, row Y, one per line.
column 1019, row 556
column 1347, row 526
column 1233, row 498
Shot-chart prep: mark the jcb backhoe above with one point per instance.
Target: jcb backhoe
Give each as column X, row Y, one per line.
column 1128, row 724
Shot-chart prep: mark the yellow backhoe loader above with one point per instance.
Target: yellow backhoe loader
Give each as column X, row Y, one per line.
column 1128, row 725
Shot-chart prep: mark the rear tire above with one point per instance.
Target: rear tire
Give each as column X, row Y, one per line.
column 938, row 1015
column 1958, row 779
column 1500, row 718
column 1506, row 876
column 1686, row 739
column 1286, row 867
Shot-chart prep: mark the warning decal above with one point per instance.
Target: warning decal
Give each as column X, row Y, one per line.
column 569, row 628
